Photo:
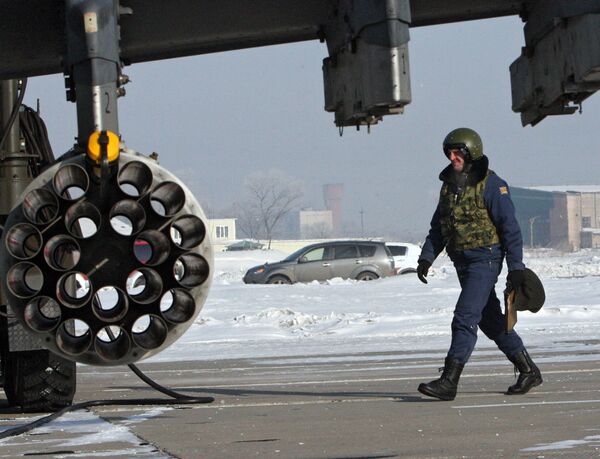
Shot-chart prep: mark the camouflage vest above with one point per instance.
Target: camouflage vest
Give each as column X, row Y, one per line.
column 465, row 221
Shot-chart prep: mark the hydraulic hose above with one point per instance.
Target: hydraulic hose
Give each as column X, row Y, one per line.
column 177, row 399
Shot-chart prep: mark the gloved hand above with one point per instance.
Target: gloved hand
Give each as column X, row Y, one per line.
column 422, row 270
column 515, row 279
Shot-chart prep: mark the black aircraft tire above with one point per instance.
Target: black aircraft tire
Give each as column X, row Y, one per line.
column 35, row 381
column 38, row 381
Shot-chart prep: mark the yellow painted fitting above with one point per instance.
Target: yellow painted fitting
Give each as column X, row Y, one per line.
column 112, row 149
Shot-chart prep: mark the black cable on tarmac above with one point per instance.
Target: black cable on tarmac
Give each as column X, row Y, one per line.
column 177, row 399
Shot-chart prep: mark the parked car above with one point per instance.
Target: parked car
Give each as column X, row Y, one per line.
column 406, row 256
column 360, row 260
column 244, row 245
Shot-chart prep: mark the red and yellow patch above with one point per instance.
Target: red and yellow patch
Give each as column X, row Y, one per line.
column 503, row 190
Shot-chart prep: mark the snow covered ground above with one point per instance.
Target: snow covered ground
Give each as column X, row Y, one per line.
column 392, row 314
column 338, row 321
column 85, row 428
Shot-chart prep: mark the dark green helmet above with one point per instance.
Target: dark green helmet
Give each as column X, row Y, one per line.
column 464, row 139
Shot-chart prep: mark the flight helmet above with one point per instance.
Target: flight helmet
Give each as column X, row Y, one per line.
column 467, row 140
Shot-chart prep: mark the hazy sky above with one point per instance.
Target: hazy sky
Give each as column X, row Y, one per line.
column 216, row 118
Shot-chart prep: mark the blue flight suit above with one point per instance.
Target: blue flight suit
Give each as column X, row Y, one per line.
column 478, row 270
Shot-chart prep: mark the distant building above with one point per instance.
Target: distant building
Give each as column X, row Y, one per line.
column 316, row 224
column 533, row 213
column 563, row 217
column 333, row 195
column 590, row 238
column 222, row 230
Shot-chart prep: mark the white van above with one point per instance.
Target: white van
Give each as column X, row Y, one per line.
column 406, row 256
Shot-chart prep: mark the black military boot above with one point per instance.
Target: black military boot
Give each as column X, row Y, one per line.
column 445, row 387
column 529, row 374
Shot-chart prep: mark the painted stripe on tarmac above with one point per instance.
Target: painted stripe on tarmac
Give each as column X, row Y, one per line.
column 497, row 405
column 218, row 406
column 320, row 367
column 364, row 380
column 347, row 381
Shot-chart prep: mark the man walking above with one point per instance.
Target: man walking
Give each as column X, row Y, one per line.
column 475, row 221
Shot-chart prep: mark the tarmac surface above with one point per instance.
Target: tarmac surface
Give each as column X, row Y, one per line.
column 335, row 406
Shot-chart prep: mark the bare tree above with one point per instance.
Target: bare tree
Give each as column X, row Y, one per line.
column 248, row 219
column 271, row 196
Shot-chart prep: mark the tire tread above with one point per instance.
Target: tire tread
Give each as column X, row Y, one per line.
column 39, row 381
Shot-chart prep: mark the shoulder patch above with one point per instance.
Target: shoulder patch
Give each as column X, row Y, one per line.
column 503, row 190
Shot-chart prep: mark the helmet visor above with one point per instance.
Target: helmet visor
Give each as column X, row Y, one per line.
column 457, row 146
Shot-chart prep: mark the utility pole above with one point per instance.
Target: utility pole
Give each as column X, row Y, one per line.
column 362, row 223
column 531, row 220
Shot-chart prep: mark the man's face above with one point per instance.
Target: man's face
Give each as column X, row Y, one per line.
column 457, row 159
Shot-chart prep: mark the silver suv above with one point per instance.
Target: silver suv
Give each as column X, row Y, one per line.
column 360, row 260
